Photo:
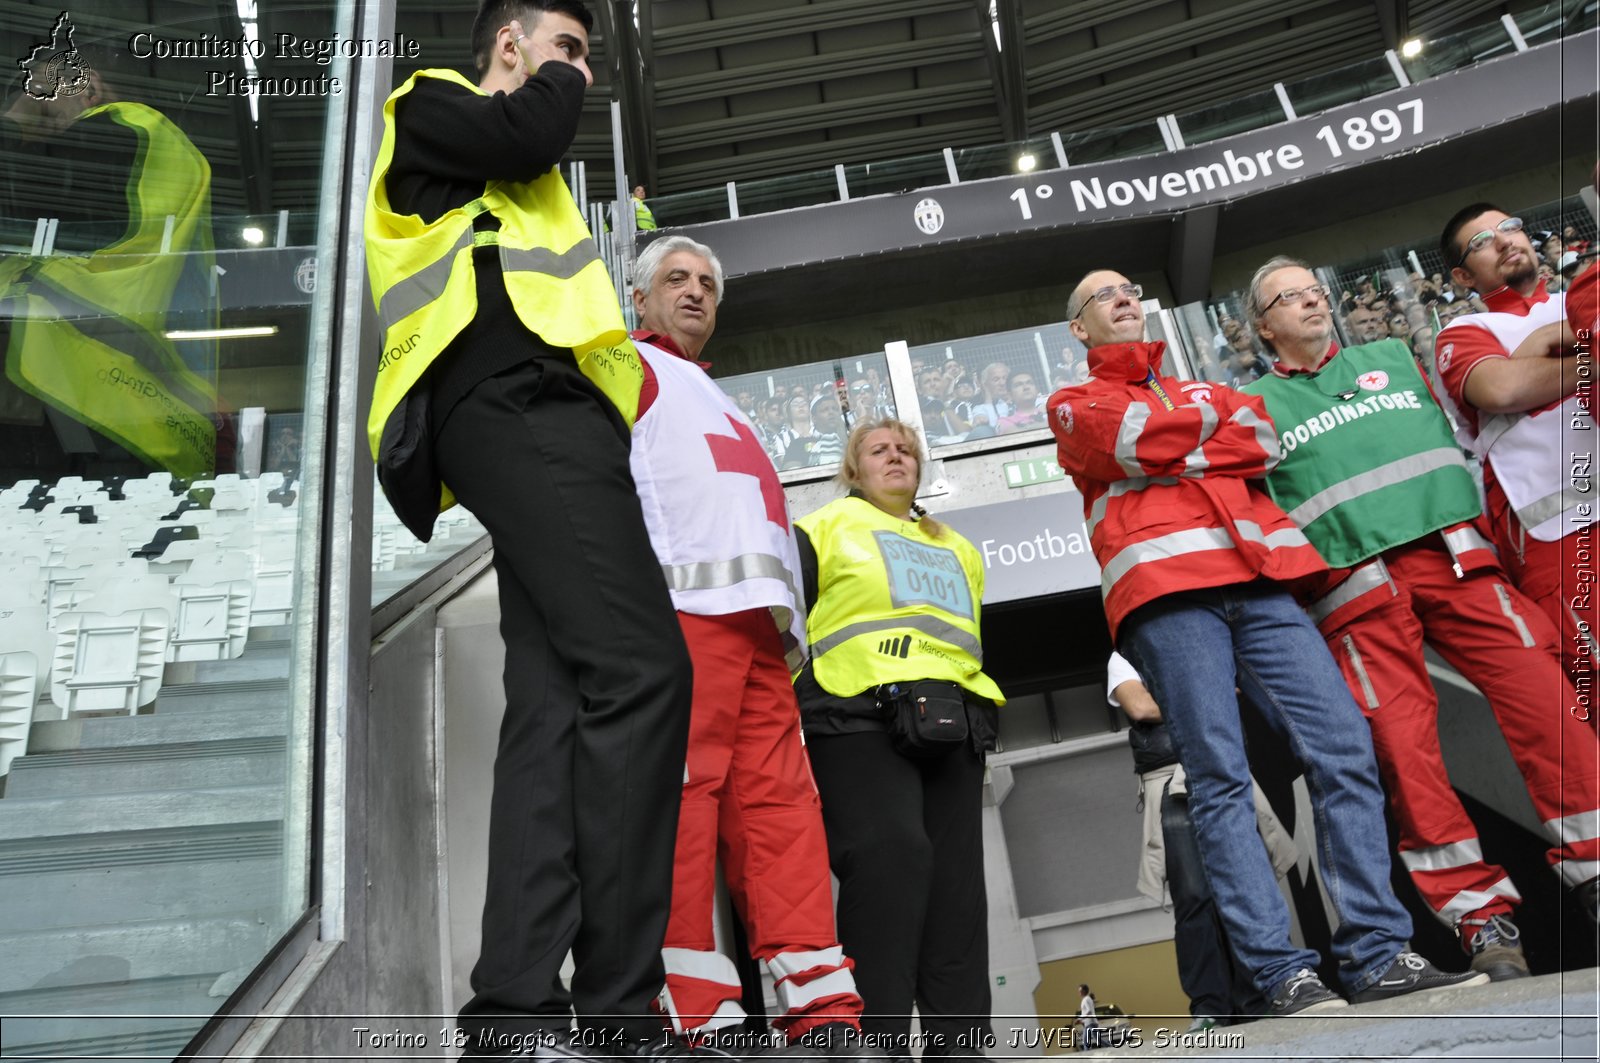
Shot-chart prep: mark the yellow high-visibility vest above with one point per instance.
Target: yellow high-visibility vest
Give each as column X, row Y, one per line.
column 89, row 331
column 894, row 604
column 424, row 285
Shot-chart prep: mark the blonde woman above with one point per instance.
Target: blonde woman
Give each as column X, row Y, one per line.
column 898, row 716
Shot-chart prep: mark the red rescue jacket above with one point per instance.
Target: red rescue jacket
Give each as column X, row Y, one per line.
column 1166, row 468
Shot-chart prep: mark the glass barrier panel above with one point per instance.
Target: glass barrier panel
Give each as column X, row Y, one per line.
column 1112, row 142
column 159, row 514
column 1216, row 342
column 1345, row 85
column 1254, row 111
column 802, row 413
column 1005, row 160
column 1454, row 51
column 985, row 386
column 1539, row 23
column 784, row 193
column 897, row 175
column 399, row 558
column 690, row 208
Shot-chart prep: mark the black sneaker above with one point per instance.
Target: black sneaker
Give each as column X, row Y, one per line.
column 1410, row 973
column 1300, row 992
column 1495, row 947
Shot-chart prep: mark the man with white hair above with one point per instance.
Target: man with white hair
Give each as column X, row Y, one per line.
column 1371, row 475
column 720, row 527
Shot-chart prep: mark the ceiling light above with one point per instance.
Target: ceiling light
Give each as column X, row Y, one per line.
column 253, row 234
column 241, row 333
column 1026, row 162
column 1412, row 48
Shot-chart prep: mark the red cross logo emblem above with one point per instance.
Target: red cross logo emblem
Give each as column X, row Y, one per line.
column 1376, row 380
column 742, row 453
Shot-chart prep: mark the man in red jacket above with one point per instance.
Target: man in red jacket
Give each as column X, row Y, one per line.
column 1195, row 559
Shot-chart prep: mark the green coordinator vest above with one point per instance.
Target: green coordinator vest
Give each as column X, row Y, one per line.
column 894, row 604
column 1368, row 459
column 89, row 331
column 423, row 280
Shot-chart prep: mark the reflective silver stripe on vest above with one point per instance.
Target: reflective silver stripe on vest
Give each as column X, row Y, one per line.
column 413, row 293
column 1118, row 488
column 1395, row 472
column 1196, row 461
column 931, row 626
column 1553, row 505
column 1511, row 614
column 708, row 575
column 1128, row 433
column 1465, row 540
column 1490, row 428
column 1363, row 580
column 564, row 266
column 1268, row 442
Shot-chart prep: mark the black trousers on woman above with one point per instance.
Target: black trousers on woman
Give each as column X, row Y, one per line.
column 589, row 770
column 905, row 839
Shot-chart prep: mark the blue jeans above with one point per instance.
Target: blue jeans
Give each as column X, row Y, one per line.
column 1192, row 649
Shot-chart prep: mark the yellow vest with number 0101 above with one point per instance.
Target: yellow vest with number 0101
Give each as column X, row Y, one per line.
column 424, row 285
column 894, row 604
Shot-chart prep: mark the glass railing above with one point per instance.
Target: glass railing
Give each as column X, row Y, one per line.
column 980, row 387
column 1338, row 87
column 802, row 413
column 1255, row 111
column 1355, row 81
column 1457, row 50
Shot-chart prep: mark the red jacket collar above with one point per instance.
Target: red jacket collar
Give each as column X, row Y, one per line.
column 1507, row 301
column 666, row 343
column 1279, row 369
column 1129, row 362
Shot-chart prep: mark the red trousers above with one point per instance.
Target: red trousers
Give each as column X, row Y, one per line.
column 749, row 799
column 1560, row 577
column 1504, row 646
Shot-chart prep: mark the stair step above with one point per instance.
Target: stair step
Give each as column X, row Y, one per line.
column 179, row 765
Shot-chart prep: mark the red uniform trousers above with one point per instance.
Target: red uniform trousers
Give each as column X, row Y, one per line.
column 1503, row 645
column 1560, row 577
column 749, row 799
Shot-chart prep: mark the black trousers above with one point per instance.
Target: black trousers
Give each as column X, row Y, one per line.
column 905, row 839
column 1215, row 983
column 589, row 770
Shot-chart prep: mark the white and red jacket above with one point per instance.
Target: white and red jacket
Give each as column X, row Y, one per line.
column 1168, row 469
column 1527, row 455
column 692, row 444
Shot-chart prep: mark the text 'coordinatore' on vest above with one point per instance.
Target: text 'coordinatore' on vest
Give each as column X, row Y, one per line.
column 1328, row 420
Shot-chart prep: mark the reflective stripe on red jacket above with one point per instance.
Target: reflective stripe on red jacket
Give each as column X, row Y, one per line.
column 1166, row 468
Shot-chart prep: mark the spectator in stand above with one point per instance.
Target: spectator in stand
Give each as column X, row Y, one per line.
column 1241, row 362
column 1400, row 326
column 825, row 444
column 993, row 402
column 1422, row 349
column 771, row 428
column 939, row 419
column 1027, row 402
column 1365, row 325
column 799, row 417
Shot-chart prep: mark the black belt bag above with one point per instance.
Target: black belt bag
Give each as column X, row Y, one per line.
column 927, row 718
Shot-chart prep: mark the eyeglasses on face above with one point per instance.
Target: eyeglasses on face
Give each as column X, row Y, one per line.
column 1110, row 292
column 1293, row 295
column 1481, row 240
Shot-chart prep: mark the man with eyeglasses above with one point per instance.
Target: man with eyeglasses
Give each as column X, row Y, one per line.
column 1196, row 562
column 1511, row 378
column 1371, row 475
